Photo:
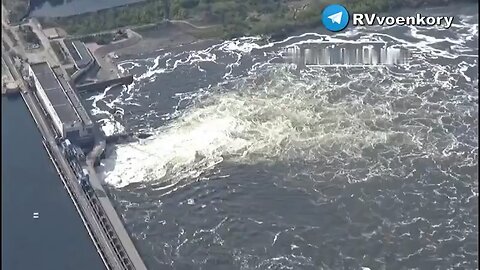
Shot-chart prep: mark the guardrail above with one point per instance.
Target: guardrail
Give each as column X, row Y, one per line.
column 74, row 191
column 75, row 203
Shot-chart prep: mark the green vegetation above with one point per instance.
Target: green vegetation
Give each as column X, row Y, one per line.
column 17, row 9
column 28, row 35
column 100, row 39
column 136, row 14
column 234, row 17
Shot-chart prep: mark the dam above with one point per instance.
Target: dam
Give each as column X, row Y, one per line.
column 73, row 142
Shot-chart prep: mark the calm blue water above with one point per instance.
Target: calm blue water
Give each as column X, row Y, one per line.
column 58, row 239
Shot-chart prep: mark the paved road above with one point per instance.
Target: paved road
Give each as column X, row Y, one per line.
column 48, row 50
column 192, row 25
column 108, row 69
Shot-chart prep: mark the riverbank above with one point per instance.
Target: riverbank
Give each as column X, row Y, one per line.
column 160, row 37
column 166, row 36
column 234, row 18
column 17, row 9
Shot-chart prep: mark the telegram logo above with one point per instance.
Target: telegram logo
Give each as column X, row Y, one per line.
column 335, row 17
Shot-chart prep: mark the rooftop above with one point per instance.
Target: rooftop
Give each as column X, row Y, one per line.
column 51, row 33
column 79, row 52
column 55, row 93
column 74, row 100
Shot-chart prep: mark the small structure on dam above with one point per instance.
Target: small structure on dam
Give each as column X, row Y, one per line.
column 80, row 54
column 10, row 88
column 51, row 97
column 86, row 62
column 61, row 103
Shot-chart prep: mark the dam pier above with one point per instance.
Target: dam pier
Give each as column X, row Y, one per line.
column 71, row 138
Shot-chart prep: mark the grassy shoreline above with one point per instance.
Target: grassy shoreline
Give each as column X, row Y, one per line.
column 233, row 17
column 17, row 9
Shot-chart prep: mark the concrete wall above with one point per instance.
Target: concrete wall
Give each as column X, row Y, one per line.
column 100, row 86
column 47, row 105
column 60, row 127
column 82, row 71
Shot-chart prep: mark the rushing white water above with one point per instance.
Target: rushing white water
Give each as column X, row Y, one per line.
column 286, row 118
column 256, row 162
column 280, row 113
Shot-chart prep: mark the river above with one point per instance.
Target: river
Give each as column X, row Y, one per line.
column 64, row 8
column 57, row 240
column 254, row 163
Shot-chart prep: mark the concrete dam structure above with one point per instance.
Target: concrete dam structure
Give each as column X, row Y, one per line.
column 69, row 118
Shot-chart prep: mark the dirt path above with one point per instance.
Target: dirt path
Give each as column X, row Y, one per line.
column 193, row 25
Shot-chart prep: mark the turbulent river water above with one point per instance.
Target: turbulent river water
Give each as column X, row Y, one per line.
column 255, row 163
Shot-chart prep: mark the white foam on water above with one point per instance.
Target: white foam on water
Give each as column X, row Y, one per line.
column 125, row 66
column 111, row 127
column 108, row 124
column 95, row 99
column 287, row 118
column 328, row 119
column 242, row 45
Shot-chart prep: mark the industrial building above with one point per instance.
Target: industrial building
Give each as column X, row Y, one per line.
column 79, row 52
column 61, row 103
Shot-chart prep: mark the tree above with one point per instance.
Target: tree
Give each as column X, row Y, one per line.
column 166, row 9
